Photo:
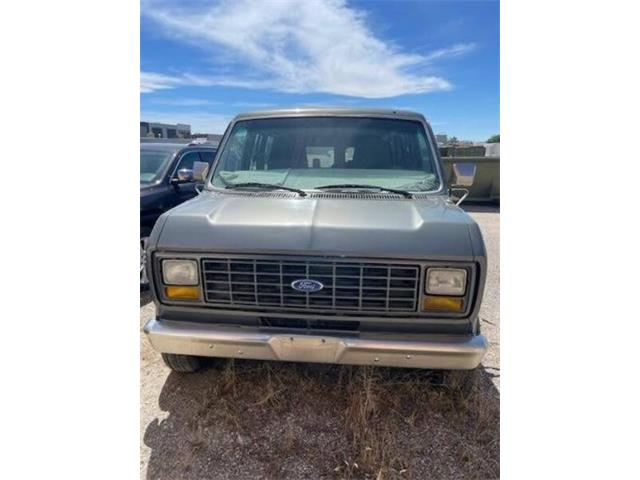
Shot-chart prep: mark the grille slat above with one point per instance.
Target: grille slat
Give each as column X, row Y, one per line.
column 348, row 286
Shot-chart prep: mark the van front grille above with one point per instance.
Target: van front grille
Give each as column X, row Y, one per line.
column 347, row 286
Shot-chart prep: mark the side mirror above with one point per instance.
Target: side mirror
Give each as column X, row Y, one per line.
column 200, row 170
column 463, row 174
column 184, row 175
column 462, row 177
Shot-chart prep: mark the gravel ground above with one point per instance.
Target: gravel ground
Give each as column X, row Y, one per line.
column 246, row 419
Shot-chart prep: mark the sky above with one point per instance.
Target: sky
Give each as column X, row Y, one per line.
column 204, row 61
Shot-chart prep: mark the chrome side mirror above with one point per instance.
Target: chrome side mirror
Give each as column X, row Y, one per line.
column 463, row 174
column 185, row 175
column 200, row 170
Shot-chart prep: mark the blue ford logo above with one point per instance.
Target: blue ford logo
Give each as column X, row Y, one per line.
column 306, row 285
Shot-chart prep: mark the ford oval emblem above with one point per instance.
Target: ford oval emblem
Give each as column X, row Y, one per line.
column 306, row 285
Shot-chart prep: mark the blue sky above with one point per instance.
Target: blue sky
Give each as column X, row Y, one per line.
column 204, row 61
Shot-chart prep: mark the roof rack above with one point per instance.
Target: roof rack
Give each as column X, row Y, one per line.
column 198, row 141
column 203, row 142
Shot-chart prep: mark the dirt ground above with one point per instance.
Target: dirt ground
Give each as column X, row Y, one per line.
column 266, row 420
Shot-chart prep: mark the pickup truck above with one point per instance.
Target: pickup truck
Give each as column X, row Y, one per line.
column 321, row 235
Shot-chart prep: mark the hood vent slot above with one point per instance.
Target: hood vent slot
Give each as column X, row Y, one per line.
column 327, row 195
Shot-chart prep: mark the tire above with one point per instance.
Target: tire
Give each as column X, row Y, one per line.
column 461, row 381
column 181, row 363
column 144, row 280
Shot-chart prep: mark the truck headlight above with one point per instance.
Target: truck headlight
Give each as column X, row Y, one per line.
column 446, row 281
column 180, row 272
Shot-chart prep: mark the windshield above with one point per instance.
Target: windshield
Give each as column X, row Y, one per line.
column 152, row 162
column 310, row 152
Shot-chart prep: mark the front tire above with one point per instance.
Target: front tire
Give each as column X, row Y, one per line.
column 182, row 363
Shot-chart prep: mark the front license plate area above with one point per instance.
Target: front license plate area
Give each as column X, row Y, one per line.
column 299, row 348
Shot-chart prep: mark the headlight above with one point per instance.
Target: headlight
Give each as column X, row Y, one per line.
column 180, row 272
column 446, row 281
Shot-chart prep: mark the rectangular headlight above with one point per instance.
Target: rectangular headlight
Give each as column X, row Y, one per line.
column 180, row 272
column 446, row 281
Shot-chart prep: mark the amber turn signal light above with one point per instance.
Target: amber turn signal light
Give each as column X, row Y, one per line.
column 182, row 293
column 443, row 304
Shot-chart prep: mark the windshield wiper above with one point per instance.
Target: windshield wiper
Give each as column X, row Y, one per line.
column 404, row 193
column 270, row 186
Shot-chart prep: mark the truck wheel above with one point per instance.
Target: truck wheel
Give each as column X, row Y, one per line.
column 461, row 381
column 181, row 363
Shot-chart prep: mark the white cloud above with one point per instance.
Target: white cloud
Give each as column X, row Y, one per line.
column 204, row 102
column 184, row 102
column 150, row 82
column 201, row 122
column 449, row 52
column 292, row 46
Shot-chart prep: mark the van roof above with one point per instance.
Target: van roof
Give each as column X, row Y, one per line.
column 330, row 111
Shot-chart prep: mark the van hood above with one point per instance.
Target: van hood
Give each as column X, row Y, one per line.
column 427, row 228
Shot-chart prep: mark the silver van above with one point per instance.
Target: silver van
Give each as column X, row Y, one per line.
column 321, row 235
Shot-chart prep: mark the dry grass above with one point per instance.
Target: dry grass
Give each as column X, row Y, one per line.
column 244, row 419
column 390, row 413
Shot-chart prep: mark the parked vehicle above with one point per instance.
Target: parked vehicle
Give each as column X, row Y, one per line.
column 166, row 180
column 322, row 235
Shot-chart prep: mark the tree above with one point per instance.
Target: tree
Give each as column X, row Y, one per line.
column 494, row 139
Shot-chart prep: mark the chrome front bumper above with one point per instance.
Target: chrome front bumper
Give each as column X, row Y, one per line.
column 450, row 352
